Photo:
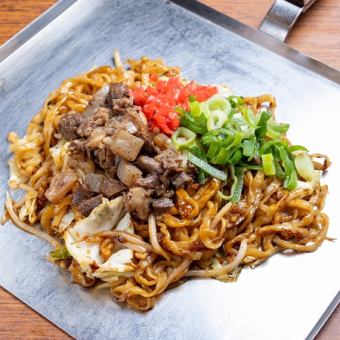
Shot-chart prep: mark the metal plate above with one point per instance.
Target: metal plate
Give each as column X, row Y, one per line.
column 281, row 299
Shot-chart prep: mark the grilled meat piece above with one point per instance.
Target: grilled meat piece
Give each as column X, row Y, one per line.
column 68, row 125
column 148, row 164
column 138, row 202
column 162, row 205
column 181, row 180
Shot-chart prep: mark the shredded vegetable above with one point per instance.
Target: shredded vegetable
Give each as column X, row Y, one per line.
column 206, row 167
column 268, row 164
column 60, row 254
column 226, row 132
column 183, row 138
column 304, row 166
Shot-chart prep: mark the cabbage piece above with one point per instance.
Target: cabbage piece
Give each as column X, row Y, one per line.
column 118, row 262
column 16, row 177
column 304, row 165
column 85, row 253
column 59, row 154
column 310, row 185
column 66, row 221
column 125, row 224
column 103, row 218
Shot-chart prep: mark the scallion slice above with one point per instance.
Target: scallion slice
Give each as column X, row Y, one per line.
column 304, row 166
column 183, row 138
column 216, row 120
column 268, row 164
column 206, row 167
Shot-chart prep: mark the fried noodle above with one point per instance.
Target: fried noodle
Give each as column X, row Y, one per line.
column 202, row 236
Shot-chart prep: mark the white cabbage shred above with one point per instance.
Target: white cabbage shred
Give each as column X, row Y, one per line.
column 107, row 216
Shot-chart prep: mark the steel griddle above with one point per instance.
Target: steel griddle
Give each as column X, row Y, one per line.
column 288, row 297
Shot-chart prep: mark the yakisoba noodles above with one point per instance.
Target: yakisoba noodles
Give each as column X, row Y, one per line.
column 128, row 209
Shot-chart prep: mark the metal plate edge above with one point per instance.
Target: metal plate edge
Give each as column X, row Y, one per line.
column 33, row 28
column 221, row 20
column 259, row 38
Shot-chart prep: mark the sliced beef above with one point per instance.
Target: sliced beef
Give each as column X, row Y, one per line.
column 86, row 207
column 181, row 180
column 120, row 106
column 161, row 142
column 80, row 195
column 85, row 200
column 95, row 139
column 61, row 184
column 169, row 159
column 68, row 125
column 139, row 120
column 99, row 118
column 148, row 182
column 125, row 145
column 120, row 123
column 113, row 133
column 117, row 91
column 148, row 164
column 128, row 173
column 93, row 182
column 162, row 205
column 106, row 159
column 138, row 202
column 119, row 98
column 111, row 187
column 97, row 101
column 101, row 184
column 163, row 191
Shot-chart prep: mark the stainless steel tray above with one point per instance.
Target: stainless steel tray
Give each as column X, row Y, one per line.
column 289, row 296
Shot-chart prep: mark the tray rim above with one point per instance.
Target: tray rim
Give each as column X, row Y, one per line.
column 217, row 18
column 213, row 16
column 29, row 31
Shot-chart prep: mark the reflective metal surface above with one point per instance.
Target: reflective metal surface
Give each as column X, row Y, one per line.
column 282, row 16
column 282, row 299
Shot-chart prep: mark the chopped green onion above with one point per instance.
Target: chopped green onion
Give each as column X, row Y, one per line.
column 267, row 145
column 197, row 150
column 304, row 166
column 250, row 166
column 195, row 108
column 239, row 173
column 294, row 148
column 219, row 104
column 278, row 169
column 222, row 136
column 268, row 164
column 183, row 138
column 290, row 180
column 249, row 117
column 248, row 146
column 233, row 186
column 206, row 167
column 262, row 124
column 195, row 124
column 213, row 150
column 60, row 254
column 238, row 137
column 236, row 157
column 276, row 130
column 216, row 120
column 201, row 176
column 235, row 101
column 222, row 156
